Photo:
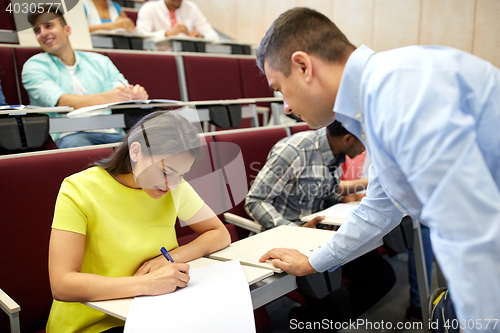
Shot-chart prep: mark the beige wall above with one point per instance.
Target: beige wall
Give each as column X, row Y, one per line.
column 470, row 25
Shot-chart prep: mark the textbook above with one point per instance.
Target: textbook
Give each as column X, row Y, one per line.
column 88, row 109
column 334, row 215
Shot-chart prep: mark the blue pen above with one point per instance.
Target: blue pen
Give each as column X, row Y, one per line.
column 166, row 255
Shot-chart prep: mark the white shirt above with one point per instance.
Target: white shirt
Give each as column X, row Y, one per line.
column 154, row 16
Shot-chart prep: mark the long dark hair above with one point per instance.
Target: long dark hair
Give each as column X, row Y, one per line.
column 160, row 132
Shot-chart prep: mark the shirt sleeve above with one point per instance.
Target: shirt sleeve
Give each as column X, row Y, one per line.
column 269, row 184
column 145, row 18
column 42, row 89
column 201, row 24
column 362, row 230
column 439, row 154
column 188, row 200
column 70, row 210
column 114, row 76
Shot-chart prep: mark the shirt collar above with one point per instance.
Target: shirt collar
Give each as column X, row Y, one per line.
column 324, row 146
column 348, row 103
column 59, row 62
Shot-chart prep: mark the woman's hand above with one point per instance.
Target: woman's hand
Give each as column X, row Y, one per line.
column 166, row 279
column 152, row 265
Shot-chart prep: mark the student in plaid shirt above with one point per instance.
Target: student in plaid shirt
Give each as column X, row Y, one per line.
column 301, row 177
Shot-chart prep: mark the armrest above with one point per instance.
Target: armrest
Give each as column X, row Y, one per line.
column 243, row 222
column 8, row 304
column 12, row 309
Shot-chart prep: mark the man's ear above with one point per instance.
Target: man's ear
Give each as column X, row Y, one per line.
column 303, row 62
column 67, row 30
column 347, row 139
column 135, row 151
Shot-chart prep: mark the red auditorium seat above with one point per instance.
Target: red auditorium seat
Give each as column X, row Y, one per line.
column 9, row 85
column 253, row 82
column 254, row 149
column 29, row 189
column 22, row 55
column 212, row 78
column 163, row 83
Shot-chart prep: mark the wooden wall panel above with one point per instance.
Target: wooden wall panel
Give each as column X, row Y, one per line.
column 250, row 20
column 395, row 23
column 448, row 22
column 322, row 6
column 487, row 32
column 273, row 9
column 354, row 18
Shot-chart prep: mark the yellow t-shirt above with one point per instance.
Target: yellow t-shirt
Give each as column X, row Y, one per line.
column 123, row 226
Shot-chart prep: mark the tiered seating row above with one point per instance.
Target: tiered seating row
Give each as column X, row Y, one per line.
column 187, row 77
column 30, row 183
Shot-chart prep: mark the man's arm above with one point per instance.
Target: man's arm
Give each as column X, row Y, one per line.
column 201, row 25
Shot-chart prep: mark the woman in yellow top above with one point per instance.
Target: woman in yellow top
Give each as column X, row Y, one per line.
column 112, row 219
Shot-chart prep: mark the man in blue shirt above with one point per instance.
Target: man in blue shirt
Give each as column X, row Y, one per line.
column 64, row 77
column 429, row 118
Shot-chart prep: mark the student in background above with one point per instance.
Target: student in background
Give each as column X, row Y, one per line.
column 429, row 117
column 301, row 177
column 106, row 15
column 175, row 17
column 62, row 76
column 111, row 220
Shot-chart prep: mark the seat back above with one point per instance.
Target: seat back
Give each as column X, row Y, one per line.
column 255, row 146
column 212, row 78
column 22, row 55
column 29, row 187
column 157, row 73
column 253, row 82
column 9, row 81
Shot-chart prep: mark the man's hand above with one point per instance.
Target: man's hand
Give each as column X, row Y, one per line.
column 290, row 260
column 121, row 94
column 194, row 33
column 124, row 23
column 139, row 93
column 314, row 222
column 179, row 28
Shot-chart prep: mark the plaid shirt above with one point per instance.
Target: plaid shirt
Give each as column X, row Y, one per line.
column 301, row 177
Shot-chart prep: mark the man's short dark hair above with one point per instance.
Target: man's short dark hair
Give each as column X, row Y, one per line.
column 301, row 29
column 336, row 129
column 56, row 11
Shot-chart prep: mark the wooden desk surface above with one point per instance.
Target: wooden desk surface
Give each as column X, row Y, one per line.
column 249, row 250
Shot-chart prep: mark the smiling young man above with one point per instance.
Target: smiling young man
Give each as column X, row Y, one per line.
column 429, row 118
column 62, row 76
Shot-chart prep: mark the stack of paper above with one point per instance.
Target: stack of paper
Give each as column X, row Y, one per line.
column 217, row 299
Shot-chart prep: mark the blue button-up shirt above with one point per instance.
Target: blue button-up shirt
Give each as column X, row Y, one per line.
column 46, row 78
column 430, row 120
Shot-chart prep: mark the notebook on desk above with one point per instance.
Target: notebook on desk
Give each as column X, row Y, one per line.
column 334, row 215
column 249, row 250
